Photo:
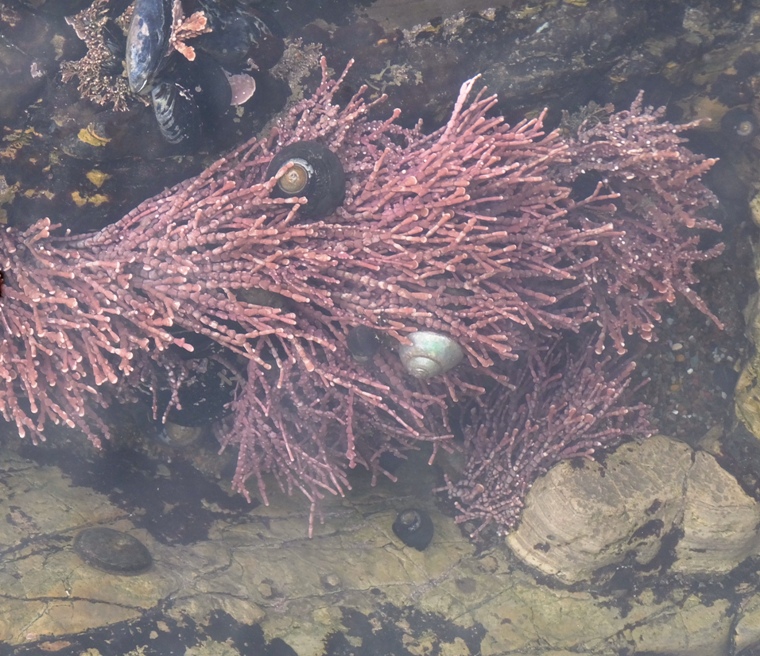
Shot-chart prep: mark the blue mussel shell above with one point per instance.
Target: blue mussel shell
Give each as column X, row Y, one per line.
column 147, row 43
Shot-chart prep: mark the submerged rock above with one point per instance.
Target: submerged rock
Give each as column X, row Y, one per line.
column 647, row 498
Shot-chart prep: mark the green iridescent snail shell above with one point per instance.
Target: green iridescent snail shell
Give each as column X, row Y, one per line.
column 429, row 354
column 314, row 172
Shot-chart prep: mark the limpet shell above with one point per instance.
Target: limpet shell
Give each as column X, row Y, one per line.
column 112, row 551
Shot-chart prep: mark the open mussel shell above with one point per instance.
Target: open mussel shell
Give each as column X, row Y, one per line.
column 314, row 172
column 147, row 43
column 429, row 354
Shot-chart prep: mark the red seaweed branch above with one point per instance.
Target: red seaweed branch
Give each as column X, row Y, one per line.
column 479, row 232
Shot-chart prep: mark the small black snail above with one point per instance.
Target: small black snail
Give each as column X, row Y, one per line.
column 414, row 528
column 363, row 343
column 739, row 125
column 314, row 172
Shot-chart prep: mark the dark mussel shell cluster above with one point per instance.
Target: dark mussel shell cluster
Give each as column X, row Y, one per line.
column 188, row 97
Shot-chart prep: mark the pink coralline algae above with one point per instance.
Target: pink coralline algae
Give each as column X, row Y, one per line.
column 512, row 243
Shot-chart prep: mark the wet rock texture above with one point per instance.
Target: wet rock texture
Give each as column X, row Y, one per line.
column 747, row 398
column 653, row 500
column 258, row 582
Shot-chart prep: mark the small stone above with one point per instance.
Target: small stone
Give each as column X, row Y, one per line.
column 720, row 520
column 265, row 590
column 579, row 520
column 331, row 581
column 489, row 564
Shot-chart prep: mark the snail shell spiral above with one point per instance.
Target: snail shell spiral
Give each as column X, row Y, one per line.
column 429, row 354
column 314, row 171
column 739, row 125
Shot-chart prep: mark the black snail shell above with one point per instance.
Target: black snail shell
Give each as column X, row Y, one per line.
column 203, row 397
column 363, row 343
column 314, row 172
column 739, row 125
column 414, row 528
